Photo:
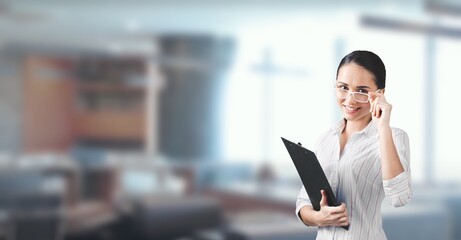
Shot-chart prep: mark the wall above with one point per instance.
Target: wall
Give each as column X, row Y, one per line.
column 10, row 102
column 193, row 66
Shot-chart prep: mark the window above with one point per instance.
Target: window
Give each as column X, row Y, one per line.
column 446, row 116
column 280, row 87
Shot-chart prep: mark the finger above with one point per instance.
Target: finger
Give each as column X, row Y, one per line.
column 323, row 201
column 373, row 106
column 344, row 221
column 340, row 209
column 374, row 109
column 372, row 96
column 377, row 110
column 375, row 103
column 375, row 94
column 371, row 100
column 377, row 107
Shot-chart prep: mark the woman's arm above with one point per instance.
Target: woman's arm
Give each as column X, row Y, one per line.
column 390, row 160
column 327, row 216
column 399, row 188
column 395, row 154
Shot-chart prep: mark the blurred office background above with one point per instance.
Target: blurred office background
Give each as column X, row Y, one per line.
column 162, row 119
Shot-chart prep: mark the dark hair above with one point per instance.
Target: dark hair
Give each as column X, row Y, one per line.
column 370, row 61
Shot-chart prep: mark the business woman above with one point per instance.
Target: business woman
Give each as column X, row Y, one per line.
column 364, row 159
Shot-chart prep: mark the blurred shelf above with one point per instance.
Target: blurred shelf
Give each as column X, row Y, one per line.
column 113, row 125
column 97, row 87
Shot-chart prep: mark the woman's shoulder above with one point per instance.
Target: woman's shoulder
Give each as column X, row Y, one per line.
column 396, row 130
column 398, row 133
column 328, row 135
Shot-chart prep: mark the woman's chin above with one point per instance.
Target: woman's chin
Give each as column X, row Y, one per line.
column 356, row 116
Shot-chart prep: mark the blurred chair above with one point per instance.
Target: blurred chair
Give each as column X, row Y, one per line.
column 153, row 202
column 91, row 161
column 31, row 212
column 172, row 218
column 37, row 216
column 270, row 225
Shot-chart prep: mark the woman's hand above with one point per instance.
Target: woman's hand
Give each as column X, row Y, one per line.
column 331, row 216
column 380, row 109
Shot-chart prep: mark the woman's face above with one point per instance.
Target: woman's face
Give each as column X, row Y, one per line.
column 354, row 78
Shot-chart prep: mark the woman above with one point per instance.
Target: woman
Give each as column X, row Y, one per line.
column 364, row 159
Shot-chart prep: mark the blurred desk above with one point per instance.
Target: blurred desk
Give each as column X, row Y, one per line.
column 244, row 196
column 263, row 210
column 88, row 216
column 267, row 225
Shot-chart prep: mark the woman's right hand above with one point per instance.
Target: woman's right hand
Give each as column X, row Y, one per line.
column 331, row 216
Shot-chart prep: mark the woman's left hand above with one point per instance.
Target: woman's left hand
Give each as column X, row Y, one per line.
column 380, row 109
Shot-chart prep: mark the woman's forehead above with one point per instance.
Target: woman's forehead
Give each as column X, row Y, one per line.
column 355, row 75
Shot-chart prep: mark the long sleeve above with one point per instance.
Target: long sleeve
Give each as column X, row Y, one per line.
column 302, row 200
column 398, row 190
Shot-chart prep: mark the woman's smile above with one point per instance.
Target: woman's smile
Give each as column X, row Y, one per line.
column 350, row 109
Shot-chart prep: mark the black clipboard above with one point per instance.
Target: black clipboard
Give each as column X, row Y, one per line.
column 312, row 176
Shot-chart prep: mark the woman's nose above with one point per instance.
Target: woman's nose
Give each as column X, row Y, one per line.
column 350, row 97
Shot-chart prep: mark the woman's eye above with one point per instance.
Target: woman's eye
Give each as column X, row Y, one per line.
column 363, row 91
column 342, row 87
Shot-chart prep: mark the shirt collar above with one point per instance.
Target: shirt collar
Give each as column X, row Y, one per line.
column 371, row 130
column 339, row 126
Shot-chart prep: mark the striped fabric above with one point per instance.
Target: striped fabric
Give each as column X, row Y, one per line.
column 356, row 177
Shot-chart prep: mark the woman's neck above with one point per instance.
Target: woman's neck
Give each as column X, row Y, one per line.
column 355, row 126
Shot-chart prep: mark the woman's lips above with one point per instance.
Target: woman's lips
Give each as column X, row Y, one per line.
column 351, row 110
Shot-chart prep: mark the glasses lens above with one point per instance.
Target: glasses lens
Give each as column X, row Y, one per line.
column 360, row 97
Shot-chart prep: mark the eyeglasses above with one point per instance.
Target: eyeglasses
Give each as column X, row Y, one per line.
column 358, row 96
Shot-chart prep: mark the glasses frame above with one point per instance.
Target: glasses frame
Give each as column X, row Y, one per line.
column 339, row 90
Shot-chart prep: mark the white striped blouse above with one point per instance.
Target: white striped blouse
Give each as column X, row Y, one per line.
column 356, row 179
